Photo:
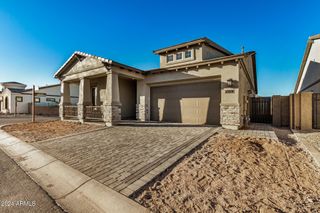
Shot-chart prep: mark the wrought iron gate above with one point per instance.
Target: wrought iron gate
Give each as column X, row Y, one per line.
column 316, row 110
column 260, row 110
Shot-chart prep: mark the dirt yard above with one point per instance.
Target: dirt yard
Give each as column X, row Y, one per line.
column 31, row 132
column 238, row 174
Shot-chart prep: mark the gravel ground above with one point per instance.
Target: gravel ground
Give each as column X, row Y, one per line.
column 233, row 173
column 31, row 132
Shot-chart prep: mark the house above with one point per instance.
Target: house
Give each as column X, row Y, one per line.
column 198, row 82
column 15, row 98
column 309, row 74
column 305, row 102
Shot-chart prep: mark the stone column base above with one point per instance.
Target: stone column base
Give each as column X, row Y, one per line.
column 230, row 116
column 142, row 112
column 111, row 113
column 61, row 110
column 81, row 112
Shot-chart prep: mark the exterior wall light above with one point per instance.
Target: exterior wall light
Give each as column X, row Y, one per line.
column 230, row 82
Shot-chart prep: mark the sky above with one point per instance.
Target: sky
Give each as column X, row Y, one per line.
column 37, row 37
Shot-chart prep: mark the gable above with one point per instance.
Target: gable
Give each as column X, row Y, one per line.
column 312, row 75
column 84, row 65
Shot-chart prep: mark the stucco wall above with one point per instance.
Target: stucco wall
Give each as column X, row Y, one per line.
column 197, row 53
column 128, row 90
column 210, row 53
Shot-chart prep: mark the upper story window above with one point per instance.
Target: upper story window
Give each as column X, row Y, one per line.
column 178, row 56
column 169, row 58
column 187, row 54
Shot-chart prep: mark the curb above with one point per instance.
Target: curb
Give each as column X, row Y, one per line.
column 71, row 189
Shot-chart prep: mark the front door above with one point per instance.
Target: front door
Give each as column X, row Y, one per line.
column 94, row 96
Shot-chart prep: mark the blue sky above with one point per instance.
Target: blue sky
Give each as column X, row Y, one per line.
column 36, row 37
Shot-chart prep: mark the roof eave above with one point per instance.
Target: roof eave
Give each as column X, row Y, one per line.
column 206, row 62
column 191, row 43
column 303, row 63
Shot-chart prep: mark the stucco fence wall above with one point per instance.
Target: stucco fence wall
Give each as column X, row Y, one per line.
column 294, row 111
column 301, row 111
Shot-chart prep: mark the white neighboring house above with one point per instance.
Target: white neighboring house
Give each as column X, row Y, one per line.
column 46, row 96
column 309, row 74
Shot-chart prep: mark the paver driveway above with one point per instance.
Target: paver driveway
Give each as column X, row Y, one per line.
column 119, row 156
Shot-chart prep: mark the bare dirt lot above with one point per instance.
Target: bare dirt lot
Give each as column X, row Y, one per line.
column 31, row 132
column 237, row 174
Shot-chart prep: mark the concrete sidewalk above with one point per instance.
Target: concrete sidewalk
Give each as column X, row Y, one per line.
column 311, row 141
column 71, row 189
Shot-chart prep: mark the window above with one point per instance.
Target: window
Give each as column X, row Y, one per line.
column 188, row 54
column 169, row 58
column 50, row 99
column 178, row 56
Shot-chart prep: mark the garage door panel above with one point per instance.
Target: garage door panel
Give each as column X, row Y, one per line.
column 196, row 103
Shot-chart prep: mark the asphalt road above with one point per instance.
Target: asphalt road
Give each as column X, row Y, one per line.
column 18, row 192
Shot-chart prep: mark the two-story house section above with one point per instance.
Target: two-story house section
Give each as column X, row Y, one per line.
column 198, row 82
column 190, row 52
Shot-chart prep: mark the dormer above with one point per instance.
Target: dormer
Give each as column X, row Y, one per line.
column 189, row 52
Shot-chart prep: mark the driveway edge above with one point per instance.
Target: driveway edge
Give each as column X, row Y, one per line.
column 70, row 189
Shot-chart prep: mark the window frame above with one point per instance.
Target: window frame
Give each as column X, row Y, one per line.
column 168, row 57
column 182, row 58
column 50, row 100
column 191, row 54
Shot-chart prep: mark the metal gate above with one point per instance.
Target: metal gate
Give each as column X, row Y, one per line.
column 316, row 110
column 260, row 110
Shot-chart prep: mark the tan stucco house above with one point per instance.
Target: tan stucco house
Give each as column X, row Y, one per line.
column 198, row 82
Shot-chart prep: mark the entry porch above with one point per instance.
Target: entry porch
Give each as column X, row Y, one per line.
column 108, row 98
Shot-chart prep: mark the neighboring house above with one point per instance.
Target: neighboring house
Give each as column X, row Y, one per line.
column 198, row 82
column 309, row 74
column 305, row 102
column 15, row 98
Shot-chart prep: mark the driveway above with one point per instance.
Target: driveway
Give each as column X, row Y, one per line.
column 121, row 157
column 311, row 140
column 10, row 119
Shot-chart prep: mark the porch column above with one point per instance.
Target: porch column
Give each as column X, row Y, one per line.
column 111, row 103
column 143, row 101
column 84, row 98
column 65, row 98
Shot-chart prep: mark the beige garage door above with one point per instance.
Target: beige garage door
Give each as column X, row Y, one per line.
column 194, row 103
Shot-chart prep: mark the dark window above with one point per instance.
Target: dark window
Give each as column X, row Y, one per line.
column 50, row 99
column 169, row 58
column 178, row 56
column 187, row 54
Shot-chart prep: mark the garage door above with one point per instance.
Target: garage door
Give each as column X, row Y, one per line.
column 196, row 103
